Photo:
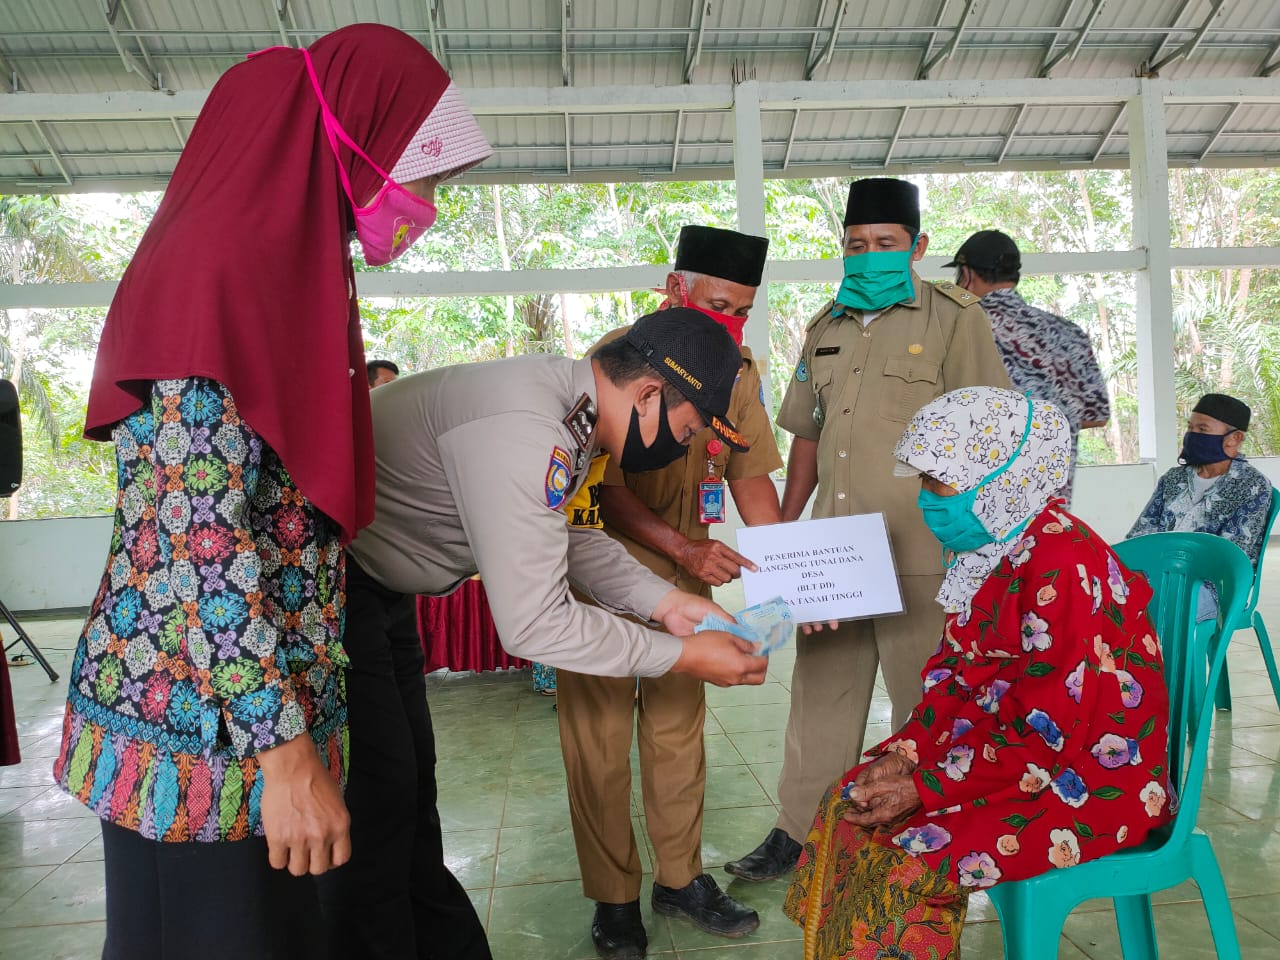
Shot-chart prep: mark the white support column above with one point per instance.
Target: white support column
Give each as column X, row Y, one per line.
column 748, row 171
column 1149, row 169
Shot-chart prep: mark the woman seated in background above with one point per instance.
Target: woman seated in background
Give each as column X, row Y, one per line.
column 1041, row 740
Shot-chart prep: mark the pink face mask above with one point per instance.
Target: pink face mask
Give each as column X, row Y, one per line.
column 390, row 224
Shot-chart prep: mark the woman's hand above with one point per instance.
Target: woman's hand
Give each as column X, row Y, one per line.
column 303, row 816
column 887, row 799
column 891, row 764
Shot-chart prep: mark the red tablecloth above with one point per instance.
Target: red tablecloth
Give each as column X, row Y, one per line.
column 8, row 727
column 457, row 632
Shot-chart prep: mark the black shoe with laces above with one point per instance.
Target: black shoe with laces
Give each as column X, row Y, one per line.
column 707, row 906
column 618, row 932
column 778, row 855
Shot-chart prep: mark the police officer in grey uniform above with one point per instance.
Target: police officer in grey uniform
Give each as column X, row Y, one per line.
column 474, row 463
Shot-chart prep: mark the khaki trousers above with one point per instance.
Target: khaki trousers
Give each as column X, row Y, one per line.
column 597, row 718
column 831, row 689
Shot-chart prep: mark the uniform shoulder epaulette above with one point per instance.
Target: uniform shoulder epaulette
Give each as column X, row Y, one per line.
column 581, row 421
column 820, row 315
column 959, row 294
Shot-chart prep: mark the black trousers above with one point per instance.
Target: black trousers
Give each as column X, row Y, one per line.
column 205, row 901
column 395, row 898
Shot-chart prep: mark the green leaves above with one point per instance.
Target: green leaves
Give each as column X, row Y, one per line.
column 930, row 780
column 1107, row 793
column 1018, row 821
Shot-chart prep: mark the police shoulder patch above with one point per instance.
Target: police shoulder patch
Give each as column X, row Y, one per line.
column 802, row 371
column 959, row 294
column 558, row 477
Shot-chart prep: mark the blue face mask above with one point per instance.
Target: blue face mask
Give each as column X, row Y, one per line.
column 952, row 520
column 1200, row 449
column 874, row 281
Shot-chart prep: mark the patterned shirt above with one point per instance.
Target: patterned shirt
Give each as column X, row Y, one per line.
column 1235, row 507
column 1052, row 358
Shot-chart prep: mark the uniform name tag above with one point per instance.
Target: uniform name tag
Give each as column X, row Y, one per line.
column 711, row 501
column 826, row 351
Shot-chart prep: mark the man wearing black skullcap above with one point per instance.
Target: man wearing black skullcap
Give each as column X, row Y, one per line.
column 662, row 517
column 1214, row 490
column 1045, row 355
column 887, row 345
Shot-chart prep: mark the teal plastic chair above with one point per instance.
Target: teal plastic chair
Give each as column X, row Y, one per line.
column 1033, row 911
column 1251, row 617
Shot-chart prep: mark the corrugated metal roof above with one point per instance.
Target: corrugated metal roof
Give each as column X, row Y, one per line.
column 68, row 48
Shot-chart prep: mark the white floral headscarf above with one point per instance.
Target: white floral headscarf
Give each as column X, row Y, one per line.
column 964, row 436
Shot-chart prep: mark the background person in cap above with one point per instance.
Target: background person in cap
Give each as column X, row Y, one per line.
column 1214, row 490
column 887, row 345
column 1043, row 353
column 655, row 514
column 474, row 466
column 381, row 372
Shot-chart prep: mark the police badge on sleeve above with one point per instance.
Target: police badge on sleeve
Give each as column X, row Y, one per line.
column 559, row 474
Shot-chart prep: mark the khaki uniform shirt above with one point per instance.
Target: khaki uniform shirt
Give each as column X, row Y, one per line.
column 474, row 465
column 856, row 387
column 672, row 492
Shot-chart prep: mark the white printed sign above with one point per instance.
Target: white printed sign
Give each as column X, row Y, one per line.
column 840, row 568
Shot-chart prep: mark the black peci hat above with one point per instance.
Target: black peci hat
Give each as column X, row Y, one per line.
column 883, row 200
column 727, row 254
column 696, row 356
column 1234, row 413
column 988, row 250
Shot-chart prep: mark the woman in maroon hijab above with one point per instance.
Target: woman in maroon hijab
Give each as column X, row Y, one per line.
column 206, row 720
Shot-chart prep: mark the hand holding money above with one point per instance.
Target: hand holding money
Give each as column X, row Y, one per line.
column 768, row 625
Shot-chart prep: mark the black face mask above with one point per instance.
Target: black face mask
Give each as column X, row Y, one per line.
column 665, row 449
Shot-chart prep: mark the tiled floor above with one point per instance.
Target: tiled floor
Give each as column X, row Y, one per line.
column 503, row 805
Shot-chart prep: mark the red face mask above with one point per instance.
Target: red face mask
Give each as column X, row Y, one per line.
column 731, row 323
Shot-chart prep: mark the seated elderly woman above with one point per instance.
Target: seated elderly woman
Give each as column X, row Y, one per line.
column 1041, row 740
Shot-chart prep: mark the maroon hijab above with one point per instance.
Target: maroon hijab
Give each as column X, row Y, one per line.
column 245, row 276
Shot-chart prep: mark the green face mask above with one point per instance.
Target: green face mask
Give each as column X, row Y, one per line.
column 874, row 281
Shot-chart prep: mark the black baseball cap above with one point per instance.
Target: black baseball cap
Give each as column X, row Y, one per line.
column 697, row 356
column 988, row 250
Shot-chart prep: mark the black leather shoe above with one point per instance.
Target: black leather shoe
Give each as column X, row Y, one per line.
column 618, row 932
column 773, row 858
column 706, row 905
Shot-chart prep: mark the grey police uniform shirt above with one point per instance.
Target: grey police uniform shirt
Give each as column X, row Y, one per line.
column 473, row 462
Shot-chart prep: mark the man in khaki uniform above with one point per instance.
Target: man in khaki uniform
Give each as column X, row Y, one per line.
column 657, row 516
column 885, row 347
